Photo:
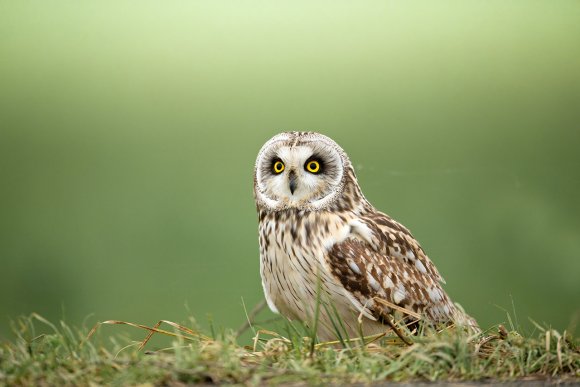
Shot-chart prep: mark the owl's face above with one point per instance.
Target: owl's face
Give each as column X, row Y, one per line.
column 299, row 170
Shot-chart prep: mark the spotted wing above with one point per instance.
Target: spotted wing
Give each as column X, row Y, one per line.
column 389, row 264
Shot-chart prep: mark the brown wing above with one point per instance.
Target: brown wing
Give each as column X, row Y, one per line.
column 391, row 266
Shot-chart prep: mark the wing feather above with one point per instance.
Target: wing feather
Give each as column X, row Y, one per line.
column 384, row 261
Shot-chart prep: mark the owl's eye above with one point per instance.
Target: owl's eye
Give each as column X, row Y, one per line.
column 278, row 167
column 313, row 166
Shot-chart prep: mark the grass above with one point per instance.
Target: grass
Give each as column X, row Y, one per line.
column 43, row 353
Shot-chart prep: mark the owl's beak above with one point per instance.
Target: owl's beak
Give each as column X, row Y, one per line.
column 292, row 182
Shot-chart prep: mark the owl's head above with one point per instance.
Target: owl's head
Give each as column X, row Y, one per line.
column 302, row 170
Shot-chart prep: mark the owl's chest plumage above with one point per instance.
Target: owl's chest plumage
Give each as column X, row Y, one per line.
column 293, row 248
column 295, row 268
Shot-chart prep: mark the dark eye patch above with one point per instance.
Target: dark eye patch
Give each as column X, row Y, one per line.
column 314, row 165
column 276, row 165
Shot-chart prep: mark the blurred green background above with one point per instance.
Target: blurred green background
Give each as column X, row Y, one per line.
column 128, row 133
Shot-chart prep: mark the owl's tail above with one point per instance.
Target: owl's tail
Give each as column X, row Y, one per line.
column 462, row 319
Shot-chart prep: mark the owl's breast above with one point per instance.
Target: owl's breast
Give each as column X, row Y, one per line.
column 293, row 265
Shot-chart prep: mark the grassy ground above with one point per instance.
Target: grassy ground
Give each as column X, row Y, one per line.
column 43, row 353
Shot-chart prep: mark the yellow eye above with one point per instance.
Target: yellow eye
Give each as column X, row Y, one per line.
column 278, row 166
column 313, row 166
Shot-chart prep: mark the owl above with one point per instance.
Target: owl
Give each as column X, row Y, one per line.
column 327, row 254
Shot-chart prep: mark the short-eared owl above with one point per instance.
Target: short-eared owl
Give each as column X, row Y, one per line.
column 322, row 242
